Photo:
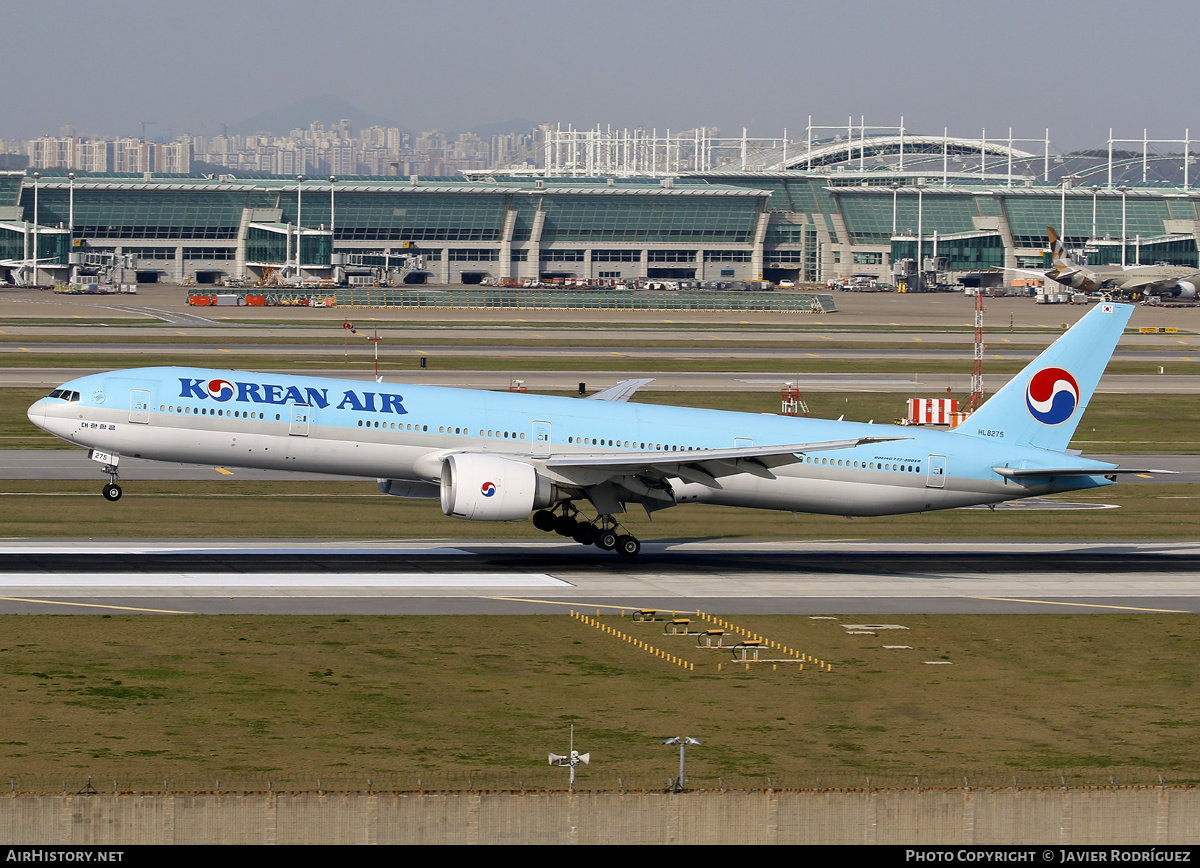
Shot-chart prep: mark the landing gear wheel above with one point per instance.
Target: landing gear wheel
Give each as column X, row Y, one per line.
column 628, row 545
column 585, row 534
column 607, row 540
column 564, row 525
column 543, row 519
column 112, row 492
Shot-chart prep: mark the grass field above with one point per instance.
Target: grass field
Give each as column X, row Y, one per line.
column 458, row 701
column 237, row 507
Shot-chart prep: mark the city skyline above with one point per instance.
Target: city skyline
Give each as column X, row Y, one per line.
column 463, row 64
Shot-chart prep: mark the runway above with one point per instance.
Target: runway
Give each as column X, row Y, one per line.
column 486, row 577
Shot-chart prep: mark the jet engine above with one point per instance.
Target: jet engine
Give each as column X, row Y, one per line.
column 1184, row 289
column 489, row 488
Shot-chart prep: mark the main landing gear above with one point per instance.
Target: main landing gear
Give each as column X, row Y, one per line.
column 111, row 491
column 602, row 532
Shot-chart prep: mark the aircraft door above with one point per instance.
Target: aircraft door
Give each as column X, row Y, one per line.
column 301, row 416
column 139, row 406
column 541, row 438
column 936, row 477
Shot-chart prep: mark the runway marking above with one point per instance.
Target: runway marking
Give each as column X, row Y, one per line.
column 96, row 606
column 579, row 604
column 186, row 581
column 223, row 470
column 222, row 351
column 1084, row 605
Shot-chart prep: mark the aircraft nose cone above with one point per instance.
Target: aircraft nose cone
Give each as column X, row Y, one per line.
column 37, row 413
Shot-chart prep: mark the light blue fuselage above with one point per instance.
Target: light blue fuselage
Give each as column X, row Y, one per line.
column 403, row 432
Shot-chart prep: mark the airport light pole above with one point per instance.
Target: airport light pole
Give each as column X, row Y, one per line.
column 71, row 210
column 920, row 233
column 36, row 177
column 332, row 235
column 1123, row 190
column 680, row 784
column 70, row 224
column 300, row 179
column 1065, row 183
column 332, row 181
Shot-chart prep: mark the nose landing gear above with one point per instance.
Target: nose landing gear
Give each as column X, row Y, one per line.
column 111, row 491
column 602, row 532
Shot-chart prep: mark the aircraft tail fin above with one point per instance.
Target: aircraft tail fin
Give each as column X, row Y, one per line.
column 1042, row 405
column 1059, row 256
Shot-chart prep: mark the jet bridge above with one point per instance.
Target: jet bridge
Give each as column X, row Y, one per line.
column 378, row 269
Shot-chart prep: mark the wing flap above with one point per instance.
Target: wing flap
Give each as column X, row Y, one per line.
column 705, row 466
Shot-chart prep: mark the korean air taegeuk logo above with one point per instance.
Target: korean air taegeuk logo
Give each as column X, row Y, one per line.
column 219, row 390
column 1052, row 396
column 487, row 489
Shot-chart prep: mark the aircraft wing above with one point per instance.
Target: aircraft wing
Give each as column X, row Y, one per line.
column 622, row 391
column 700, row 465
column 1032, row 272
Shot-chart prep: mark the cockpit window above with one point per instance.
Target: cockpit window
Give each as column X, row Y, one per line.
column 64, row 394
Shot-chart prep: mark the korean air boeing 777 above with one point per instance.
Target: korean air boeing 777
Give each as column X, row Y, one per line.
column 498, row 456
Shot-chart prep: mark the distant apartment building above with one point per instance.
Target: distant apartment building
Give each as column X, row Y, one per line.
column 313, row 151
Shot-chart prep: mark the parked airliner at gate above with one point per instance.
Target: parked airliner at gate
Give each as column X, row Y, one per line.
column 498, row 456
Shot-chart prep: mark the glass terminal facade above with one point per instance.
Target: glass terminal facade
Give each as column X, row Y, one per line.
column 804, row 225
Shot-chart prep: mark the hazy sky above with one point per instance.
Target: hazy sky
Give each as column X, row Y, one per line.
column 1073, row 67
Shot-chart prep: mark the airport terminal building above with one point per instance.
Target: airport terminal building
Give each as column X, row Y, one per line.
column 837, row 211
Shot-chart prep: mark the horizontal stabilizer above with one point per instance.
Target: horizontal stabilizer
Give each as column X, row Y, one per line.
column 622, row 391
column 1027, row 472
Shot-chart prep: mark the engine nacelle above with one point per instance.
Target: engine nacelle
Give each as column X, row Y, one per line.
column 489, row 488
column 1185, row 289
